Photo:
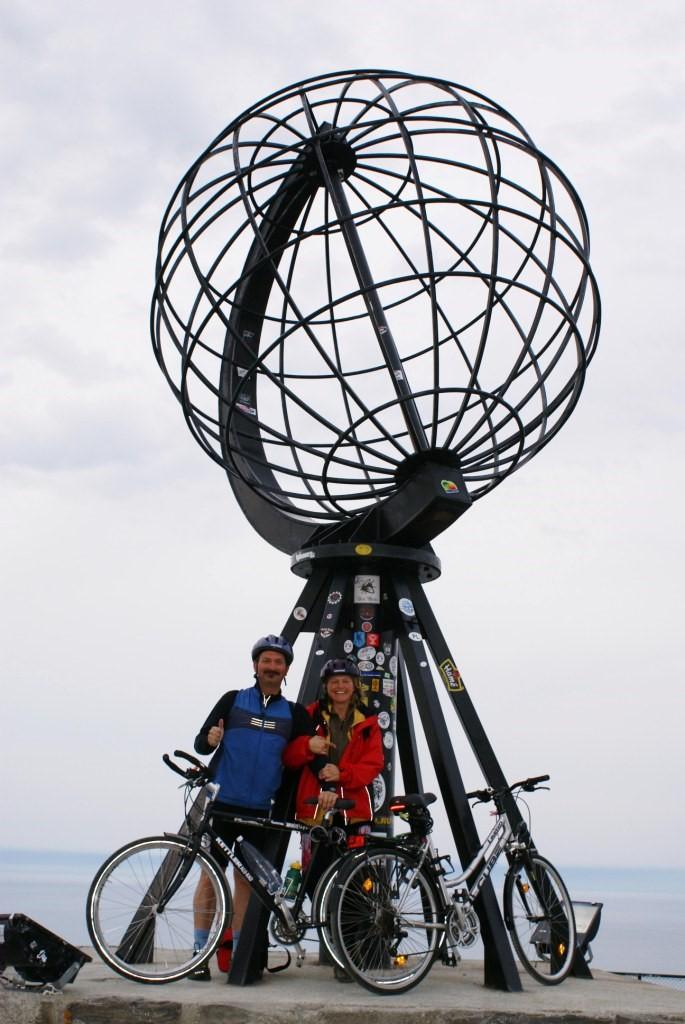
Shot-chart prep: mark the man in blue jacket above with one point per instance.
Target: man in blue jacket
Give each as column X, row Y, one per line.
column 247, row 731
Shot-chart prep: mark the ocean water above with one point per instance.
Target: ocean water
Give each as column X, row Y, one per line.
column 642, row 927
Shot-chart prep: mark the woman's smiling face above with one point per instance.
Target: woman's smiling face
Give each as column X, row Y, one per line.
column 340, row 689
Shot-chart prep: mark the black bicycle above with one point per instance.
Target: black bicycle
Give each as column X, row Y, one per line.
column 393, row 912
column 147, row 898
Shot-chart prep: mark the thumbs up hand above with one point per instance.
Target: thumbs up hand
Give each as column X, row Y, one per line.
column 216, row 734
column 319, row 744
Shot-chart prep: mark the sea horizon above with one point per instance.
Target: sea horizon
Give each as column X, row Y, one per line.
column 642, row 926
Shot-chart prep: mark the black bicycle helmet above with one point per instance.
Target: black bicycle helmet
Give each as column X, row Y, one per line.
column 273, row 643
column 339, row 667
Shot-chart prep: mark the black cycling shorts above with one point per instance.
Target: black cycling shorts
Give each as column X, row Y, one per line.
column 230, row 830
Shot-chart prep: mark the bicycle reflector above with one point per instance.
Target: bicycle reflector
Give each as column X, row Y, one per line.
column 367, row 884
column 355, row 841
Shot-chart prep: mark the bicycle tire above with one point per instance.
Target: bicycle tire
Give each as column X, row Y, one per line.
column 539, row 915
column 321, row 904
column 387, row 920
column 128, row 931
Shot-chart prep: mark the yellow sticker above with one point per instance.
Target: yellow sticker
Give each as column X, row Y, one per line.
column 450, row 675
column 363, row 549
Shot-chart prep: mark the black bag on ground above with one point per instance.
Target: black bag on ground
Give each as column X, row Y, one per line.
column 36, row 954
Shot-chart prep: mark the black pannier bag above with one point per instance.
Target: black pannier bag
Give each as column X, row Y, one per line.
column 36, row 954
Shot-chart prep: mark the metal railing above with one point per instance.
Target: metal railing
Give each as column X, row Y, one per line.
column 667, row 980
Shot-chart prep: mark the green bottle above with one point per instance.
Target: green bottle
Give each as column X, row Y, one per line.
column 291, row 882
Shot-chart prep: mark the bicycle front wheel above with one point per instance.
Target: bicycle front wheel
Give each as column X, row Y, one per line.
column 321, row 904
column 387, row 920
column 539, row 915
column 145, row 903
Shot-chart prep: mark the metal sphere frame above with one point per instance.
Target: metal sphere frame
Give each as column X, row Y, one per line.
column 365, row 272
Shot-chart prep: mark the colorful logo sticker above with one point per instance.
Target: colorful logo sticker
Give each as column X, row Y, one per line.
column 388, row 687
column 335, row 597
column 363, row 549
column 373, row 639
column 300, row 613
column 378, row 791
column 366, row 666
column 415, row 636
column 300, row 556
column 375, row 685
column 380, row 658
column 367, row 653
column 449, row 486
column 326, row 632
column 406, row 607
column 367, row 626
column 366, row 612
column 359, row 638
column 348, row 647
column 451, row 676
column 384, row 719
column 367, row 590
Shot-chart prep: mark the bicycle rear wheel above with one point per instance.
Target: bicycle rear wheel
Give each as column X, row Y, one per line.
column 140, row 930
column 387, row 920
column 539, row 914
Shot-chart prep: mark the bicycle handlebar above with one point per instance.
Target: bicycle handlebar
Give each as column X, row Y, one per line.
column 197, row 773
column 339, row 805
column 484, row 796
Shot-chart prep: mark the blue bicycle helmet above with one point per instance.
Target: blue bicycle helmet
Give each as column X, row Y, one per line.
column 339, row 667
column 273, row 643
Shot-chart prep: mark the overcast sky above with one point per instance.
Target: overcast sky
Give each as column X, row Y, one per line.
column 131, row 585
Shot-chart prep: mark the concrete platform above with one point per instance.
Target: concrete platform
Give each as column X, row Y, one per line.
column 311, row 995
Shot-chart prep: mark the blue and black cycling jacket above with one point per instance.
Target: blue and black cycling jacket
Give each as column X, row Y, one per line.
column 247, row 764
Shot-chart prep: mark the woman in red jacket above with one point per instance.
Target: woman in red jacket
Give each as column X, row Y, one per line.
column 347, row 759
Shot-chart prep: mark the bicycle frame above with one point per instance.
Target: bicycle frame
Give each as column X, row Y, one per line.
column 494, row 844
column 274, row 901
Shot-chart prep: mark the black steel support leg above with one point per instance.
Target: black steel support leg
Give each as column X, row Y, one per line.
column 499, row 968
column 471, row 723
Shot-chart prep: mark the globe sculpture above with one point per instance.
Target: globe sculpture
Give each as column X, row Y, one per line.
column 364, row 274
column 374, row 302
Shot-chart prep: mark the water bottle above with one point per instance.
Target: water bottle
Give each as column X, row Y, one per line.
column 291, row 882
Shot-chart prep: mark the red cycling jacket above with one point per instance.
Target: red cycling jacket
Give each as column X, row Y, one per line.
column 361, row 761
